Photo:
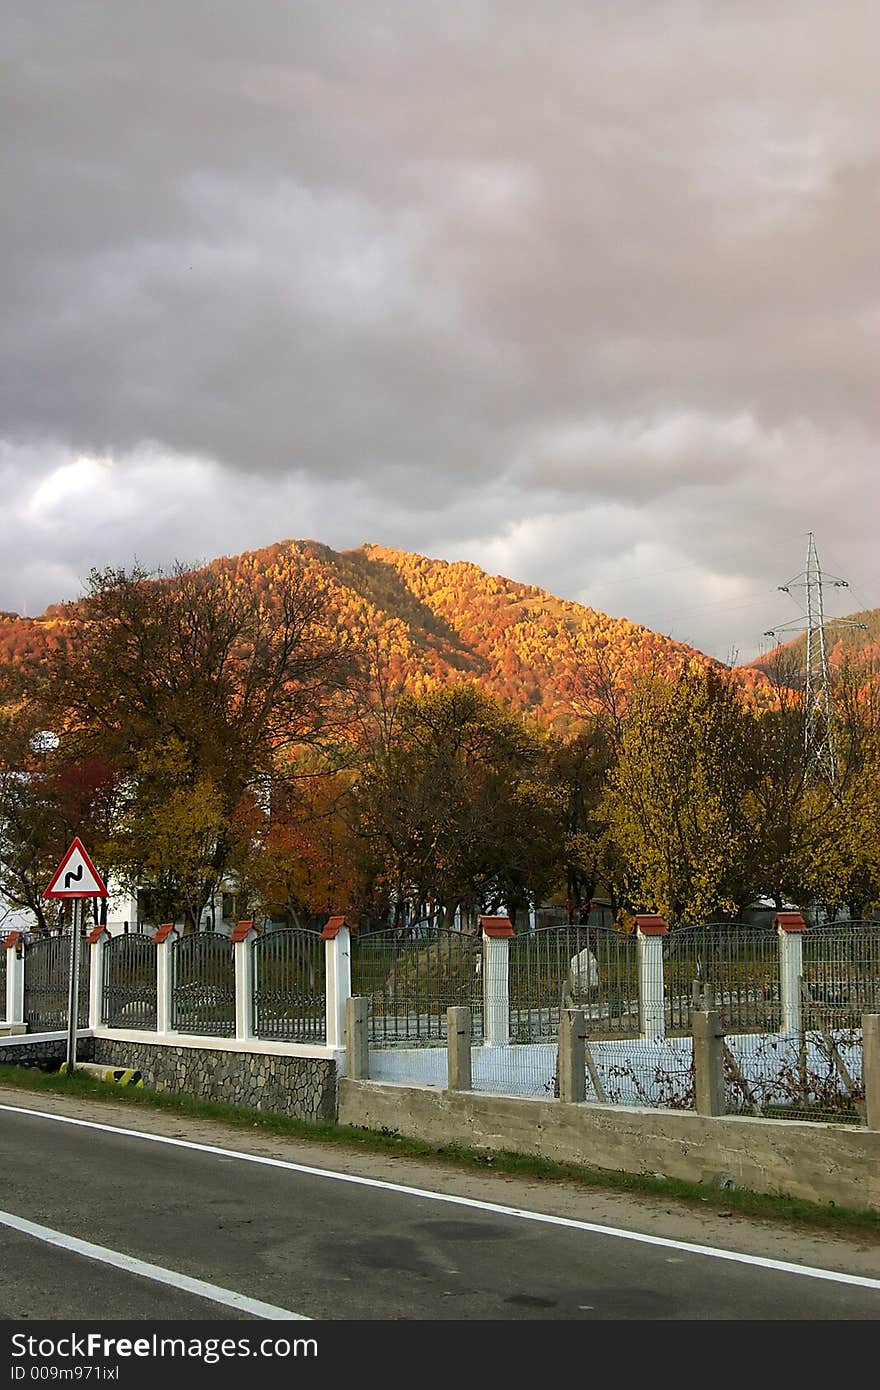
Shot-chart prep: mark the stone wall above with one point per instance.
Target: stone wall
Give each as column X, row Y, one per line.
column 48, row 1055
column 819, row 1162
column 303, row 1087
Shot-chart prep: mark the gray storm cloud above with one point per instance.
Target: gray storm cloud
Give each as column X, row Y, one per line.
column 585, row 293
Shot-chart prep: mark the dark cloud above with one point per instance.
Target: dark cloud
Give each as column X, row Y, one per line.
column 462, row 278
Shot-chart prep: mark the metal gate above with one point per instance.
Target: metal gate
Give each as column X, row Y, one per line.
column 731, row 968
column 412, row 979
column 591, row 968
column 128, row 994
column 841, row 974
column 288, row 999
column 46, row 984
column 203, row 998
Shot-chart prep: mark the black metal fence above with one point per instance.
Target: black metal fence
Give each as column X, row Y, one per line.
column 591, row 968
column 47, row 982
column 411, row 979
column 128, row 989
column 3, row 954
column 730, row 967
column 289, row 986
column 203, row 985
column 841, row 974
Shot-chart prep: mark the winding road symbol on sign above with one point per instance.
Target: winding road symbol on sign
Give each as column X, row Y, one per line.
column 76, row 876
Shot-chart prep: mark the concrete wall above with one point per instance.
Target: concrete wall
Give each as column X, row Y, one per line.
column 304, row 1087
column 820, row 1163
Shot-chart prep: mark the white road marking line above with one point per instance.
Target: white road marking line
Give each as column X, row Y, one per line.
column 228, row 1297
column 665, row 1242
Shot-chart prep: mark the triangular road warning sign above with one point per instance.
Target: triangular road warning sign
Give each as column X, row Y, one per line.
column 76, row 876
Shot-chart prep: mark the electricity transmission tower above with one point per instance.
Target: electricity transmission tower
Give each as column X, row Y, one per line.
column 820, row 739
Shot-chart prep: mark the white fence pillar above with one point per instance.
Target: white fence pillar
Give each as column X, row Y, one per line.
column 790, row 927
column 496, row 933
column 242, row 938
column 650, row 931
column 96, row 940
column 337, row 947
column 163, row 941
column 15, row 952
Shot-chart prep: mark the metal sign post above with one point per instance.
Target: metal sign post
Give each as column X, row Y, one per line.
column 76, row 878
column 73, row 985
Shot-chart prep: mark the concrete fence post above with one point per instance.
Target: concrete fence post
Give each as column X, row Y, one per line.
column 337, row 975
column 15, row 967
column 242, row 937
column 97, row 939
column 790, row 927
column 458, row 1049
column 357, row 1015
column 571, row 1066
column 163, row 940
column 708, row 1034
column 496, row 933
column 650, row 931
column 871, row 1068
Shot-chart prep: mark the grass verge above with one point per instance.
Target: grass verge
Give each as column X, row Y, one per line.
column 842, row 1221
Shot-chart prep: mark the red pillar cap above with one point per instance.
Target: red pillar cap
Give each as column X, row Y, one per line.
column 163, row 932
column 334, row 925
column 496, row 926
column 651, row 924
column 789, row 921
column 12, row 938
column 241, row 929
column 96, row 933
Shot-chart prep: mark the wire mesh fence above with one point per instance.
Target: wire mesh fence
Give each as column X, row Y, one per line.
column 659, row 1074
column 289, row 986
column 203, row 985
column 732, row 968
column 411, row 980
column 841, row 974
column 524, row 1069
column 816, row 1076
column 417, row 1066
column 47, row 982
column 128, row 988
column 591, row 968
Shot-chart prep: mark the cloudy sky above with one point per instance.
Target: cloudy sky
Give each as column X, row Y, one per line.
column 584, row 292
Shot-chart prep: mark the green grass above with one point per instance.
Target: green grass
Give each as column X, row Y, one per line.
column 791, row 1211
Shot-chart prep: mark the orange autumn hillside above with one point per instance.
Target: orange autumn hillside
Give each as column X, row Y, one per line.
column 438, row 622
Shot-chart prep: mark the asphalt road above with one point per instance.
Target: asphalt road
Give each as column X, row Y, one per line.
column 319, row 1246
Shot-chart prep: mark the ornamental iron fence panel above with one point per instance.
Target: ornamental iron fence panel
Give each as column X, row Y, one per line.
column 841, row 974
column 412, row 977
column 590, row 968
column 128, row 989
column 47, row 981
column 728, row 967
column 289, row 998
column 203, row 985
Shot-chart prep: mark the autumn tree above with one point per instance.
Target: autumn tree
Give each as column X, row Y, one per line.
column 843, row 859
column 46, row 797
column 675, row 803
column 193, row 685
column 579, row 767
column 458, row 812
column 304, row 859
